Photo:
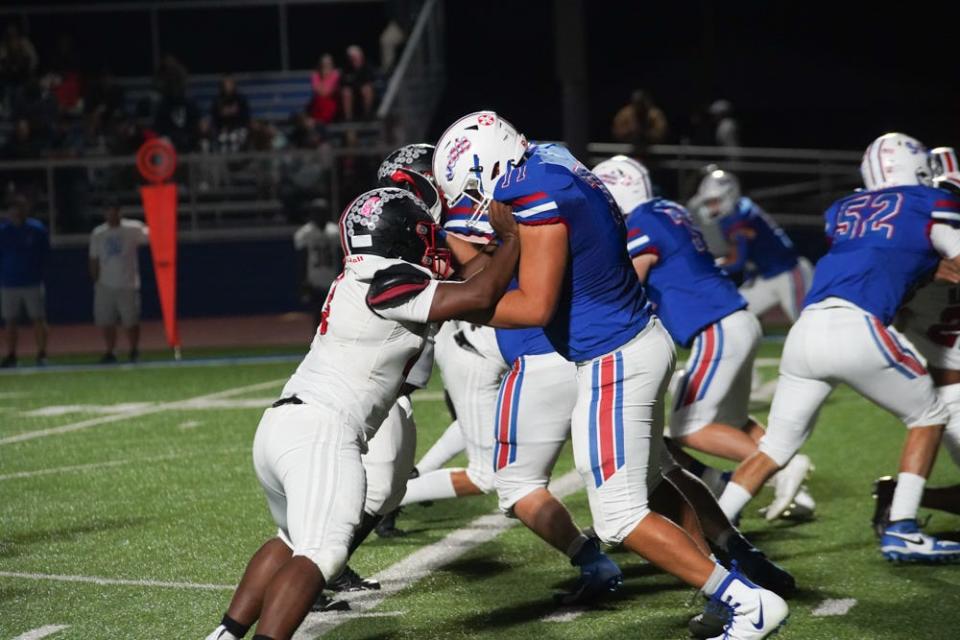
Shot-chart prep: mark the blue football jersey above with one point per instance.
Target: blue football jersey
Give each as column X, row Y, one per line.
column 880, row 246
column 602, row 305
column 687, row 290
column 514, row 343
column 759, row 240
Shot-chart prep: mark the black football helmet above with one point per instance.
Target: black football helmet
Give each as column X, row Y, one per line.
column 411, row 167
column 394, row 223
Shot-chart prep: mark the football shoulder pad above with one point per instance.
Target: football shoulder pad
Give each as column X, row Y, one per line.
column 395, row 285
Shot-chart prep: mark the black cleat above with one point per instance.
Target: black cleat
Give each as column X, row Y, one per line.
column 134, row 356
column 387, row 527
column 108, row 358
column 710, row 623
column 350, row 580
column 9, row 362
column 326, row 603
column 883, row 489
column 756, row 566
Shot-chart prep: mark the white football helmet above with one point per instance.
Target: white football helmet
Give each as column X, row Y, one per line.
column 627, row 180
column 471, row 156
column 946, row 169
column 895, row 160
column 718, row 193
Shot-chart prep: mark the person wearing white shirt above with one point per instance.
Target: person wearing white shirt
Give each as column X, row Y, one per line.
column 115, row 271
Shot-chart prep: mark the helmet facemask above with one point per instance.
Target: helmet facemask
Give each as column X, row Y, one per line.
column 436, row 257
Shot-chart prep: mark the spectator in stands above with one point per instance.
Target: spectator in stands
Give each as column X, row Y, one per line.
column 22, row 144
column 230, row 116
column 325, row 80
column 170, row 79
column 103, row 98
column 178, row 118
column 37, row 105
column 18, row 61
column 63, row 78
column 401, row 16
column 115, row 271
column 24, row 246
column 319, row 258
column 357, row 86
column 640, row 123
column 726, row 129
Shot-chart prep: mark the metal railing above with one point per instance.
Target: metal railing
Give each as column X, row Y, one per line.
column 794, row 185
column 235, row 194
column 258, row 193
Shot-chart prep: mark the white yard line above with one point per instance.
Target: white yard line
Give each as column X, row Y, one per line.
column 567, row 614
column 832, row 607
column 189, row 403
column 424, row 561
column 117, row 581
column 42, row 632
column 767, row 362
column 107, row 464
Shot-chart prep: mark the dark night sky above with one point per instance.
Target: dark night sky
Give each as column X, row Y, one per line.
column 803, row 74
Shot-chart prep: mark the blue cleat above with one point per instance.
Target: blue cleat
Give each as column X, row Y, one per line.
column 903, row 541
column 598, row 575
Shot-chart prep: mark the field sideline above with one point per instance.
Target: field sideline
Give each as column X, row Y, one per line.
column 129, row 508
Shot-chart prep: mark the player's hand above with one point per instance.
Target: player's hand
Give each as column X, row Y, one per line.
column 948, row 271
column 502, row 220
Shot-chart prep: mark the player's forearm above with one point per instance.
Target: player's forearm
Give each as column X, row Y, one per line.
column 475, row 299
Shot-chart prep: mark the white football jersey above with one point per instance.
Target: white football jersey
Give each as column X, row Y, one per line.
column 323, row 252
column 359, row 358
column 116, row 250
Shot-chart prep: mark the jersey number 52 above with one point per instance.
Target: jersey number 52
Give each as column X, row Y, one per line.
column 870, row 213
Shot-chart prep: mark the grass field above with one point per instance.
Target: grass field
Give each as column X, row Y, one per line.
column 128, row 508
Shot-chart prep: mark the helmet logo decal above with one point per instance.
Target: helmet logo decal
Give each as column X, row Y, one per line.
column 486, row 119
column 460, row 146
column 914, row 148
column 370, row 207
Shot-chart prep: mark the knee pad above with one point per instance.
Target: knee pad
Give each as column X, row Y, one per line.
column 950, row 395
column 510, row 491
column 483, row 480
column 612, row 529
column 782, row 440
column 330, row 561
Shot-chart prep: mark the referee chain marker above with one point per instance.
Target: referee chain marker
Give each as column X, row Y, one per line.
column 187, row 404
column 423, row 562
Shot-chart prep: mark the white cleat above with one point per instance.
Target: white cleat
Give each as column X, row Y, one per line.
column 755, row 613
column 787, row 485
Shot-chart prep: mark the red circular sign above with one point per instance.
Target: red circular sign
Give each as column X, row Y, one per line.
column 156, row 160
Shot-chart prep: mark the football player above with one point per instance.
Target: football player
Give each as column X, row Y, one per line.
column 308, row 446
column 931, row 321
column 701, row 309
column 576, row 281
column 884, row 240
column 754, row 240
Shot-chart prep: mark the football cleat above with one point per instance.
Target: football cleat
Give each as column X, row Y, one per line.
column 598, row 575
column 903, row 541
column 350, row 580
column 8, row 362
column 754, row 613
column 387, row 527
column 883, row 489
column 787, row 484
column 758, row 567
column 711, row 622
column 326, row 603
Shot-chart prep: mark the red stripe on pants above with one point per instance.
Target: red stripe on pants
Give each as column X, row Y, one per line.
column 506, row 408
column 710, row 340
column 605, row 419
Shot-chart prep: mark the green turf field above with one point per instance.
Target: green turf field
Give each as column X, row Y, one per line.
column 127, row 513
